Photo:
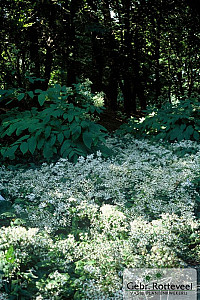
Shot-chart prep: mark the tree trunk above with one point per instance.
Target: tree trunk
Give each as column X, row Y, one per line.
column 34, row 56
column 110, row 57
column 138, row 80
column 128, row 89
column 157, row 64
column 72, row 71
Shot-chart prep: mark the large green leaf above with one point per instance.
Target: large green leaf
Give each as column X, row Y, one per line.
column 47, row 131
column 67, row 133
column 10, row 152
column 23, row 138
column 66, row 152
column 97, row 127
column 60, row 137
column 40, row 143
column 31, row 94
column 70, row 117
column 196, row 135
column 32, row 143
column 65, row 146
column 76, row 132
column 84, row 124
column 174, row 133
column 106, row 152
column 24, row 147
column 47, row 151
column 10, row 129
column 52, row 140
column 41, row 98
column 188, row 132
column 71, row 155
column 57, row 113
column 87, row 139
column 38, row 132
column 65, row 116
column 20, row 96
column 46, row 119
column 38, row 91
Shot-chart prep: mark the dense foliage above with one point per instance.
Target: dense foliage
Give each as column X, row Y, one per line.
column 176, row 122
column 146, row 51
column 58, row 127
column 74, row 228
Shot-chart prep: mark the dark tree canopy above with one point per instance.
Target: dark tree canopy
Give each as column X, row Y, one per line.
column 136, row 52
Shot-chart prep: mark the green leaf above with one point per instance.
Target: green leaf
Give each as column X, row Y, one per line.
column 106, row 152
column 38, row 132
column 87, row 139
column 47, row 151
column 55, row 123
column 20, row 96
column 34, row 127
column 23, row 138
column 66, row 152
column 65, row 116
column 38, row 91
column 41, row 98
column 180, row 136
column 46, row 119
column 196, row 135
column 24, row 147
column 18, row 221
column 77, row 119
column 173, row 134
column 76, row 133
column 10, row 152
column 47, row 131
column 75, row 158
column 52, row 140
column 31, row 94
column 71, row 154
column 32, row 143
column 161, row 135
column 97, row 127
column 188, row 132
column 11, row 129
column 40, row 143
column 183, row 126
column 54, row 149
column 19, row 131
column 10, row 257
column 57, row 113
column 81, row 149
column 84, row 124
column 65, row 146
column 92, row 109
column 60, row 137
column 67, row 134
column 70, row 117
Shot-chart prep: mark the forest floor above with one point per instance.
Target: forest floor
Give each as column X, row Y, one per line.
column 110, row 120
column 88, row 221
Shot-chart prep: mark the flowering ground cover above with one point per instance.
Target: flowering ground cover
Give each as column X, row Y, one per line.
column 69, row 230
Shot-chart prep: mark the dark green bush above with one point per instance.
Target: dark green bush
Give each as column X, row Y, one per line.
column 59, row 128
column 171, row 122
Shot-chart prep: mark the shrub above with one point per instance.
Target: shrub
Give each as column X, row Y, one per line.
column 60, row 127
column 171, row 122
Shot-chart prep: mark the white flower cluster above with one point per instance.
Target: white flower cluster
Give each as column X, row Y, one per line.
column 3, row 296
column 135, row 209
column 17, row 244
column 51, row 288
